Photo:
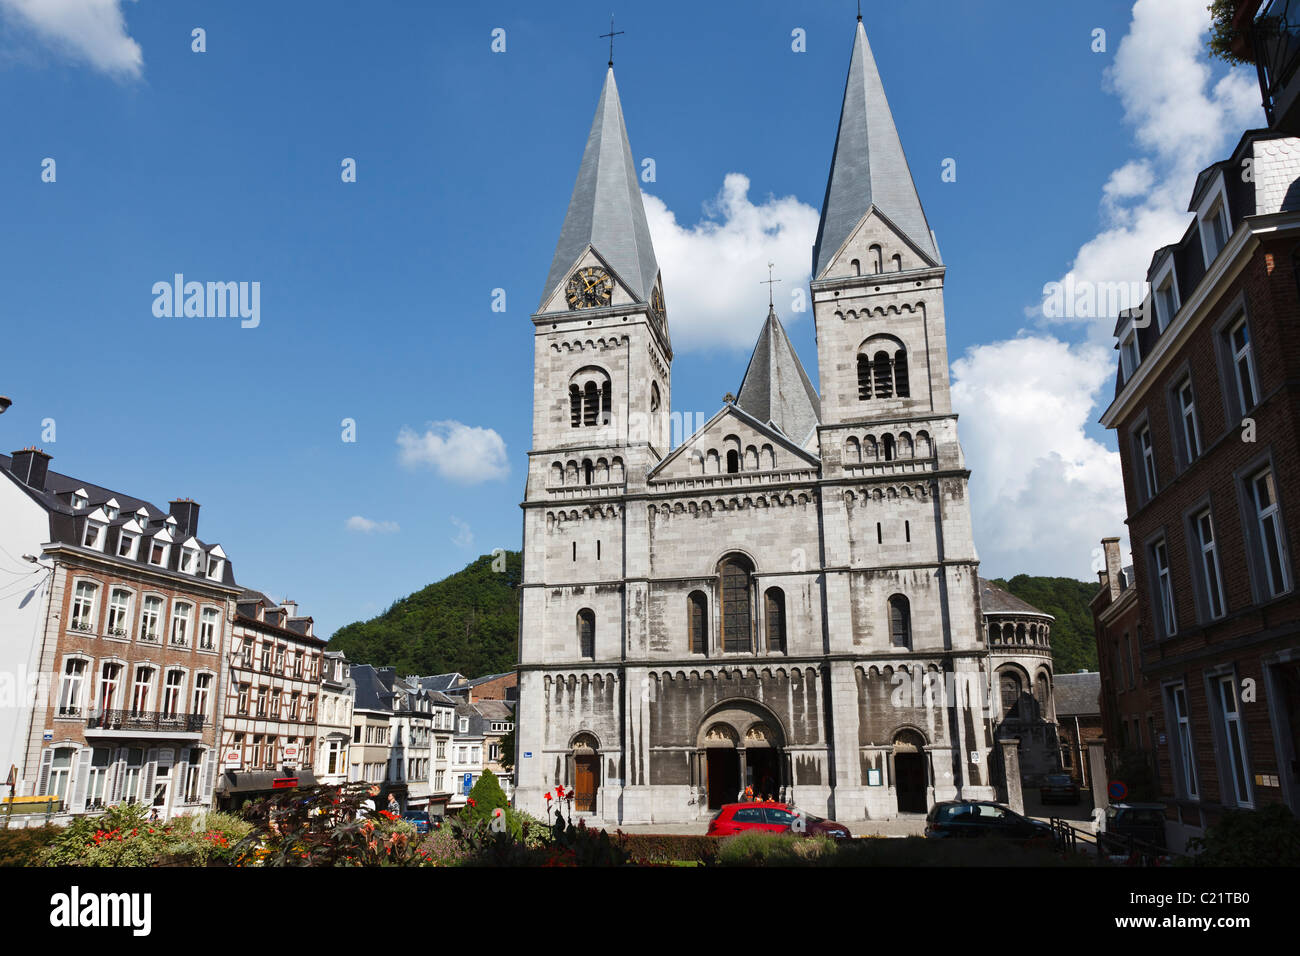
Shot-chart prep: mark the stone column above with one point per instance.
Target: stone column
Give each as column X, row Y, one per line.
column 1011, row 770
column 1097, row 772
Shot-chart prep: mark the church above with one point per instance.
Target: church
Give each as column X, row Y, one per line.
column 788, row 603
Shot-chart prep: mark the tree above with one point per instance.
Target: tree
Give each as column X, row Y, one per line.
column 1227, row 42
column 486, row 797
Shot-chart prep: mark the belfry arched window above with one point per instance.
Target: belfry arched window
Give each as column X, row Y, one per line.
column 587, row 633
column 697, row 612
column 734, row 589
column 590, row 398
column 900, row 622
column 882, row 369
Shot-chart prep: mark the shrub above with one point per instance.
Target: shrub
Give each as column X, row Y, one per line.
column 121, row 836
column 486, row 797
column 1266, row 837
column 672, row 848
column 759, row 848
column 26, row 846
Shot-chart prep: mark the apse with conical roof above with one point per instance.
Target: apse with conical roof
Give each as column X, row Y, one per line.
column 868, row 167
column 605, row 211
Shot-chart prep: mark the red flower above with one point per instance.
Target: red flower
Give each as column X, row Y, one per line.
column 471, row 802
column 548, row 795
column 389, row 814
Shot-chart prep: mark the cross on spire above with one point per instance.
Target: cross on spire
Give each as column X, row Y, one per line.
column 611, row 34
column 768, row 282
column 859, row 11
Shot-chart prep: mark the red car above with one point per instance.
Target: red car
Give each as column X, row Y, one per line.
column 773, row 817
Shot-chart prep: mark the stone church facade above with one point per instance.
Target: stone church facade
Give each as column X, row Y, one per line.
column 788, row 602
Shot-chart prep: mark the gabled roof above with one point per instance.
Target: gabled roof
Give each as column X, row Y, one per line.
column 606, row 211
column 868, row 167
column 761, row 427
column 776, row 389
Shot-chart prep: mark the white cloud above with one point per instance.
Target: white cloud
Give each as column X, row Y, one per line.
column 366, row 526
column 1043, row 493
column 461, row 453
column 712, row 270
column 93, row 31
column 464, row 535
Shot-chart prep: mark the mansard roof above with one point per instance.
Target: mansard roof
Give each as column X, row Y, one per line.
column 868, row 167
column 776, row 389
column 606, row 211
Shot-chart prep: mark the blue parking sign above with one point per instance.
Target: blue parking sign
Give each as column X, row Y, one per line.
column 468, row 784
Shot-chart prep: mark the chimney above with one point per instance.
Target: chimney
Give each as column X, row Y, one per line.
column 290, row 608
column 30, row 466
column 186, row 513
column 1111, row 547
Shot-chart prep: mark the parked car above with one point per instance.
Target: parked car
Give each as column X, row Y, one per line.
column 420, row 818
column 1144, row 822
column 772, row 817
column 983, row 818
column 1058, row 788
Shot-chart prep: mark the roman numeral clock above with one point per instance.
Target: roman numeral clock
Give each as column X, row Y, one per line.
column 589, row 288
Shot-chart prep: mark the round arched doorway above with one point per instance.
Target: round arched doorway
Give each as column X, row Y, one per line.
column 911, row 773
column 739, row 747
column 586, row 772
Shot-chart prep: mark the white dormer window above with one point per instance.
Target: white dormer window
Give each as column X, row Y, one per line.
column 111, row 509
column 159, row 553
column 189, row 560
column 80, row 499
column 216, row 563
column 127, row 544
column 142, row 516
column 1166, row 295
column 1129, row 355
column 94, row 537
column 1215, row 226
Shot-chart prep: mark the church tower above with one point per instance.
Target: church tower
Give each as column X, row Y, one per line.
column 901, row 568
column 601, row 394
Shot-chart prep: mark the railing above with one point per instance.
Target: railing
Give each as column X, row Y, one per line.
column 146, row 720
column 1276, row 39
column 1110, row 846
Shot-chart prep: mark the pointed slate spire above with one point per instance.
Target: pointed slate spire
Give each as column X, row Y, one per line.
column 775, row 388
column 606, row 211
column 868, row 166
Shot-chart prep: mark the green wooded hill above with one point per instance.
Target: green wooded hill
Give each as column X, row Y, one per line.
column 466, row 622
column 1074, row 642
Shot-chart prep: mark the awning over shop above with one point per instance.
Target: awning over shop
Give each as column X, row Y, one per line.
column 233, row 781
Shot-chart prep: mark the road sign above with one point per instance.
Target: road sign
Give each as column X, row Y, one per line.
column 467, row 784
column 1117, row 790
column 528, row 753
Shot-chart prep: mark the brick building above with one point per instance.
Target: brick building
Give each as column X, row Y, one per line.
column 1205, row 414
column 127, row 614
column 1078, row 715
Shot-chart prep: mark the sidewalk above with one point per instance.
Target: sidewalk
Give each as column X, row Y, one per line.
column 913, row 825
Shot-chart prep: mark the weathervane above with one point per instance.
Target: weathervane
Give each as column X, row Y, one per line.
column 611, row 34
column 768, row 282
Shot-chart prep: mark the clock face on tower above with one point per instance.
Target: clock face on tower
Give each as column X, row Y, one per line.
column 589, row 288
column 657, row 305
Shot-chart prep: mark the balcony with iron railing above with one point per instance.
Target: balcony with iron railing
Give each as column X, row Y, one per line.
column 124, row 722
column 1275, row 38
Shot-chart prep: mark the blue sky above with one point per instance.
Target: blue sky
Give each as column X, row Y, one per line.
column 376, row 296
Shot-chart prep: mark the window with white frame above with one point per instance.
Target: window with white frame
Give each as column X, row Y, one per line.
column 464, row 725
column 1243, row 364
column 1186, row 755
column 159, row 553
column 182, row 623
column 1214, row 230
column 94, row 537
column 72, row 687
column 202, row 694
column 61, row 773
column 126, row 544
column 111, row 509
column 215, row 564
column 1164, row 587
column 173, row 693
column 142, row 689
column 79, row 499
column 1148, row 455
column 131, row 774
column 1268, row 526
column 1187, row 420
column 83, row 606
column 1130, row 355
column 1166, row 297
column 189, row 560
column 209, row 620
column 119, row 612
column 97, row 779
column 1211, row 577
column 192, row 771
column 1234, row 732
column 151, row 618
column 110, row 682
